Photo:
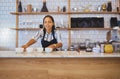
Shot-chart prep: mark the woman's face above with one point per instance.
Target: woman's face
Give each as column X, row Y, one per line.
column 48, row 23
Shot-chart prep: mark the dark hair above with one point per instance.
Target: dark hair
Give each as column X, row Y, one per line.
column 53, row 27
column 49, row 17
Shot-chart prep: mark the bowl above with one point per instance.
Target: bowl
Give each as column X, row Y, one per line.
column 48, row 50
column 96, row 50
column 29, row 50
column 39, row 49
column 19, row 50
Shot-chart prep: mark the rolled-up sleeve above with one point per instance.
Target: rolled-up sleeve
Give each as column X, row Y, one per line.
column 38, row 35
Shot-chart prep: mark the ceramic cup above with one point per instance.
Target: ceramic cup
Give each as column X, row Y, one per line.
column 39, row 49
column 29, row 50
column 96, row 50
column 19, row 50
column 48, row 50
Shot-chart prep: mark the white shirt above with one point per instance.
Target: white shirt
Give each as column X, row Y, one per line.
column 48, row 37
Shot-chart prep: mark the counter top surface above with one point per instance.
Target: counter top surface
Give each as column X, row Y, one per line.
column 55, row 54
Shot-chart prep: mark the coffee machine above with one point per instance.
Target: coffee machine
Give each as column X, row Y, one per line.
column 115, row 35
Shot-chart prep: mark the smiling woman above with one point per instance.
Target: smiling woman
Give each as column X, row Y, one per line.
column 51, row 38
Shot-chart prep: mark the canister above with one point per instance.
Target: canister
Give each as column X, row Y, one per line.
column 108, row 48
column 29, row 8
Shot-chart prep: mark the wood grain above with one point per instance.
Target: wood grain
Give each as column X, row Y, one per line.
column 59, row 68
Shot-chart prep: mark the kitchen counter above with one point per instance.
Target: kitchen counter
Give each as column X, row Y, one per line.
column 59, row 65
column 56, row 54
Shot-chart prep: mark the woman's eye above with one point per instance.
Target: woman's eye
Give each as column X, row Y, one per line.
column 45, row 22
column 49, row 22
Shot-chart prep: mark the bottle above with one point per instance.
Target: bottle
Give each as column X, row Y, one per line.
column 44, row 8
column 109, row 6
column 20, row 7
column 102, row 47
column 64, row 9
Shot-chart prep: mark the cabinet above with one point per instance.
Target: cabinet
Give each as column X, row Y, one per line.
column 71, row 4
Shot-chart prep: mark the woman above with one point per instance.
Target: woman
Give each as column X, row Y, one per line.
column 50, row 37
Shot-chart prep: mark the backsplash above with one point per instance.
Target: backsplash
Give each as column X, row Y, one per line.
column 93, row 35
column 7, row 21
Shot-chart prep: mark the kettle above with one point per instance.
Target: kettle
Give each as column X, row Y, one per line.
column 108, row 48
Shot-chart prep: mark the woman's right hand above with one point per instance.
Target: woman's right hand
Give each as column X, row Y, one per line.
column 24, row 46
column 30, row 42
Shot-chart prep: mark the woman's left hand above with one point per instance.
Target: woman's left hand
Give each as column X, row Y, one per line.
column 53, row 46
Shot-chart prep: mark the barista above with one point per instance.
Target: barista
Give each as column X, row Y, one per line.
column 50, row 37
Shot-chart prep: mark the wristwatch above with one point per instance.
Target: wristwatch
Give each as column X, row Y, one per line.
column 55, row 45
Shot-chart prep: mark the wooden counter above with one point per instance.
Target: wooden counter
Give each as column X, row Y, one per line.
column 60, row 67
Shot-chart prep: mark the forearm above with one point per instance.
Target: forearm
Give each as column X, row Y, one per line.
column 30, row 42
column 57, row 45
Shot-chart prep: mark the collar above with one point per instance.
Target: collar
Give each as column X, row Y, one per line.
column 48, row 33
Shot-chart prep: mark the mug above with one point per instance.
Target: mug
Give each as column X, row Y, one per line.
column 29, row 50
column 48, row 50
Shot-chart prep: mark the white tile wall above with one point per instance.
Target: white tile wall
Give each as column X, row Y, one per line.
column 7, row 21
column 7, row 36
column 93, row 35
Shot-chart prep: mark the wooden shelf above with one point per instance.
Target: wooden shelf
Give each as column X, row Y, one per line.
column 94, row 12
column 25, row 28
column 63, row 28
column 90, row 29
column 36, row 28
column 38, row 13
